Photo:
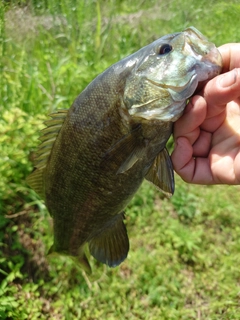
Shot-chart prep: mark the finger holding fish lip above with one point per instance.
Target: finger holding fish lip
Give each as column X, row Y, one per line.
column 207, row 135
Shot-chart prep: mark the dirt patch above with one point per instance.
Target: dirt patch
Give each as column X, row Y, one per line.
column 20, row 22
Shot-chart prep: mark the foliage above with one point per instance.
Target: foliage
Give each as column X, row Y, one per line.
column 184, row 256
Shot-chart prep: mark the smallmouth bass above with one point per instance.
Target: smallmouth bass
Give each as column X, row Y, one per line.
column 94, row 156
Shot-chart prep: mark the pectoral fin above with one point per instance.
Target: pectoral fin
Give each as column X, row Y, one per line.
column 127, row 151
column 161, row 173
column 111, row 246
column 134, row 156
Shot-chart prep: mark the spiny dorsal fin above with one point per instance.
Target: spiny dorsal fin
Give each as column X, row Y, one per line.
column 48, row 137
column 35, row 181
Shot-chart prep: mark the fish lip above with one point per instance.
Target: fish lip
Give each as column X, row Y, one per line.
column 213, row 60
column 214, row 70
column 212, row 65
column 214, row 57
column 211, row 71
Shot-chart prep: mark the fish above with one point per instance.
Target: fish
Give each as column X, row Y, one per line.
column 94, row 156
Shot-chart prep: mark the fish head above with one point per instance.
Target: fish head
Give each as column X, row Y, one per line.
column 167, row 72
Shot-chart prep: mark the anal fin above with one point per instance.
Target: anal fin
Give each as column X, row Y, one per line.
column 161, row 173
column 111, row 246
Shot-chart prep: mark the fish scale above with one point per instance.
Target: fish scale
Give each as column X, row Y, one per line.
column 94, row 156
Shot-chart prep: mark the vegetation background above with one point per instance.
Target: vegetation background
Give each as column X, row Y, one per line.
column 184, row 261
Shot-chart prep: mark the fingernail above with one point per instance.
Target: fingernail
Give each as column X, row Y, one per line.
column 228, row 79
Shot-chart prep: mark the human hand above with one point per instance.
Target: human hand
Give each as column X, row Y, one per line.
column 207, row 136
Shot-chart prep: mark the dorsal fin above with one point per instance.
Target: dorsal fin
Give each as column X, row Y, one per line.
column 35, row 181
column 48, row 137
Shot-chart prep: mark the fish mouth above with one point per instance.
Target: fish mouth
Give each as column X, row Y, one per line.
column 214, row 65
column 213, row 60
column 213, row 56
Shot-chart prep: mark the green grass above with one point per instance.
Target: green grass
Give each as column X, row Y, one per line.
column 185, row 252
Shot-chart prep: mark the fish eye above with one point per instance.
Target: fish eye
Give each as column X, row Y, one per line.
column 165, row 48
